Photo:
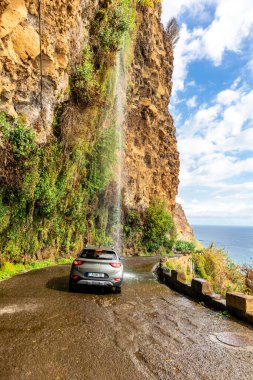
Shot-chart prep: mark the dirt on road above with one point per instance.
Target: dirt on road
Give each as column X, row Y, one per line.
column 147, row 332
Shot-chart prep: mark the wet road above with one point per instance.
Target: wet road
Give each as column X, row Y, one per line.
column 147, row 332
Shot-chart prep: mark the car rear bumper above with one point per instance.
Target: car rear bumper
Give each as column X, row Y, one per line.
column 99, row 283
column 95, row 282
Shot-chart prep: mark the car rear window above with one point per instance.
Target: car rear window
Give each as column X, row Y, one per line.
column 98, row 254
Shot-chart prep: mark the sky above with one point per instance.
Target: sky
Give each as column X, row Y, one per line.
column 212, row 107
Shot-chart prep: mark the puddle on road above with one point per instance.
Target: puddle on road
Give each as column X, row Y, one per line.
column 11, row 309
column 234, row 340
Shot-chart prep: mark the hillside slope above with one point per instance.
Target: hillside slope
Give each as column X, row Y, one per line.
column 69, row 71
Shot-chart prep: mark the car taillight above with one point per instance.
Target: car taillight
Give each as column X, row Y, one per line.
column 75, row 277
column 116, row 279
column 78, row 262
column 115, row 265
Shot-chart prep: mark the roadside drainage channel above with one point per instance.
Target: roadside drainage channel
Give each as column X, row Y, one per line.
column 237, row 304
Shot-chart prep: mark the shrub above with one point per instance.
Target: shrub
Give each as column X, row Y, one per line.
column 117, row 19
column 133, row 230
column 216, row 266
column 20, row 137
column 83, row 81
column 248, row 272
column 148, row 3
column 22, row 140
column 157, row 224
column 184, row 246
column 133, row 223
column 4, row 125
column 46, row 196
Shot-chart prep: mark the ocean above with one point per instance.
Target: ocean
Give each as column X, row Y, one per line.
column 236, row 241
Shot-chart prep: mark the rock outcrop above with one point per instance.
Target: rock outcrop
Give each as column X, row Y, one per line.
column 152, row 161
column 64, row 25
column 183, row 228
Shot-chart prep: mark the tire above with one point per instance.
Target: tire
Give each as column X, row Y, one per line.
column 71, row 287
column 117, row 289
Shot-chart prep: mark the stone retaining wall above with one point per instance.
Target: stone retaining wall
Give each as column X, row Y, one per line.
column 238, row 304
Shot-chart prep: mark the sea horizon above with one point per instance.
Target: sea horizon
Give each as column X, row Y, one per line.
column 220, row 225
column 237, row 241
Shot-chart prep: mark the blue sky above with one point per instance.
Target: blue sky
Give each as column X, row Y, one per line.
column 212, row 106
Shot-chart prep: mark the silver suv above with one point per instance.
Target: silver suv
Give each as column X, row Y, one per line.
column 97, row 266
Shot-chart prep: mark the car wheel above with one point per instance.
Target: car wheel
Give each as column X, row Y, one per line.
column 118, row 289
column 71, row 287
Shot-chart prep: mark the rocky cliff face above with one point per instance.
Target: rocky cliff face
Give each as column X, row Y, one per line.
column 183, row 228
column 64, row 26
column 58, row 100
column 152, row 161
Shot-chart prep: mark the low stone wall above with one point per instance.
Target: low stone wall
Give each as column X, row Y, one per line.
column 238, row 304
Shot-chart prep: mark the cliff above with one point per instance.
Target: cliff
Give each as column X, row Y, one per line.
column 64, row 26
column 69, row 70
column 183, row 228
column 152, row 161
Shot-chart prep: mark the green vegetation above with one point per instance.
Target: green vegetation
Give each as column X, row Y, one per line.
column 158, row 224
column 111, row 22
column 9, row 269
column 214, row 265
column 133, row 231
column 153, row 231
column 148, row 3
column 149, row 232
column 103, row 157
column 21, row 139
column 184, row 246
column 58, row 192
column 184, row 268
column 51, row 204
column 83, row 81
column 248, row 273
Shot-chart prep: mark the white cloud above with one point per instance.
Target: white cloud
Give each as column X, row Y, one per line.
column 172, row 8
column 216, row 139
column 192, row 102
column 227, row 97
column 202, row 120
column 212, row 140
column 224, row 203
column 233, row 22
column 218, row 208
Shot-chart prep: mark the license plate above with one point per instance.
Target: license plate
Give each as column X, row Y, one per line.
column 96, row 275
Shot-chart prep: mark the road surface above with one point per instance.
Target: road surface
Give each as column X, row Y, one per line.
column 147, row 332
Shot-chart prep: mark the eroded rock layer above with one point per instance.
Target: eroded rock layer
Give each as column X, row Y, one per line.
column 64, row 25
column 183, row 228
column 152, row 161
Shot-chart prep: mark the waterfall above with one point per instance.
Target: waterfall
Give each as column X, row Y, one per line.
column 120, row 101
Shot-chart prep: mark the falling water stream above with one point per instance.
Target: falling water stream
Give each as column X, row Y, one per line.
column 120, row 101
